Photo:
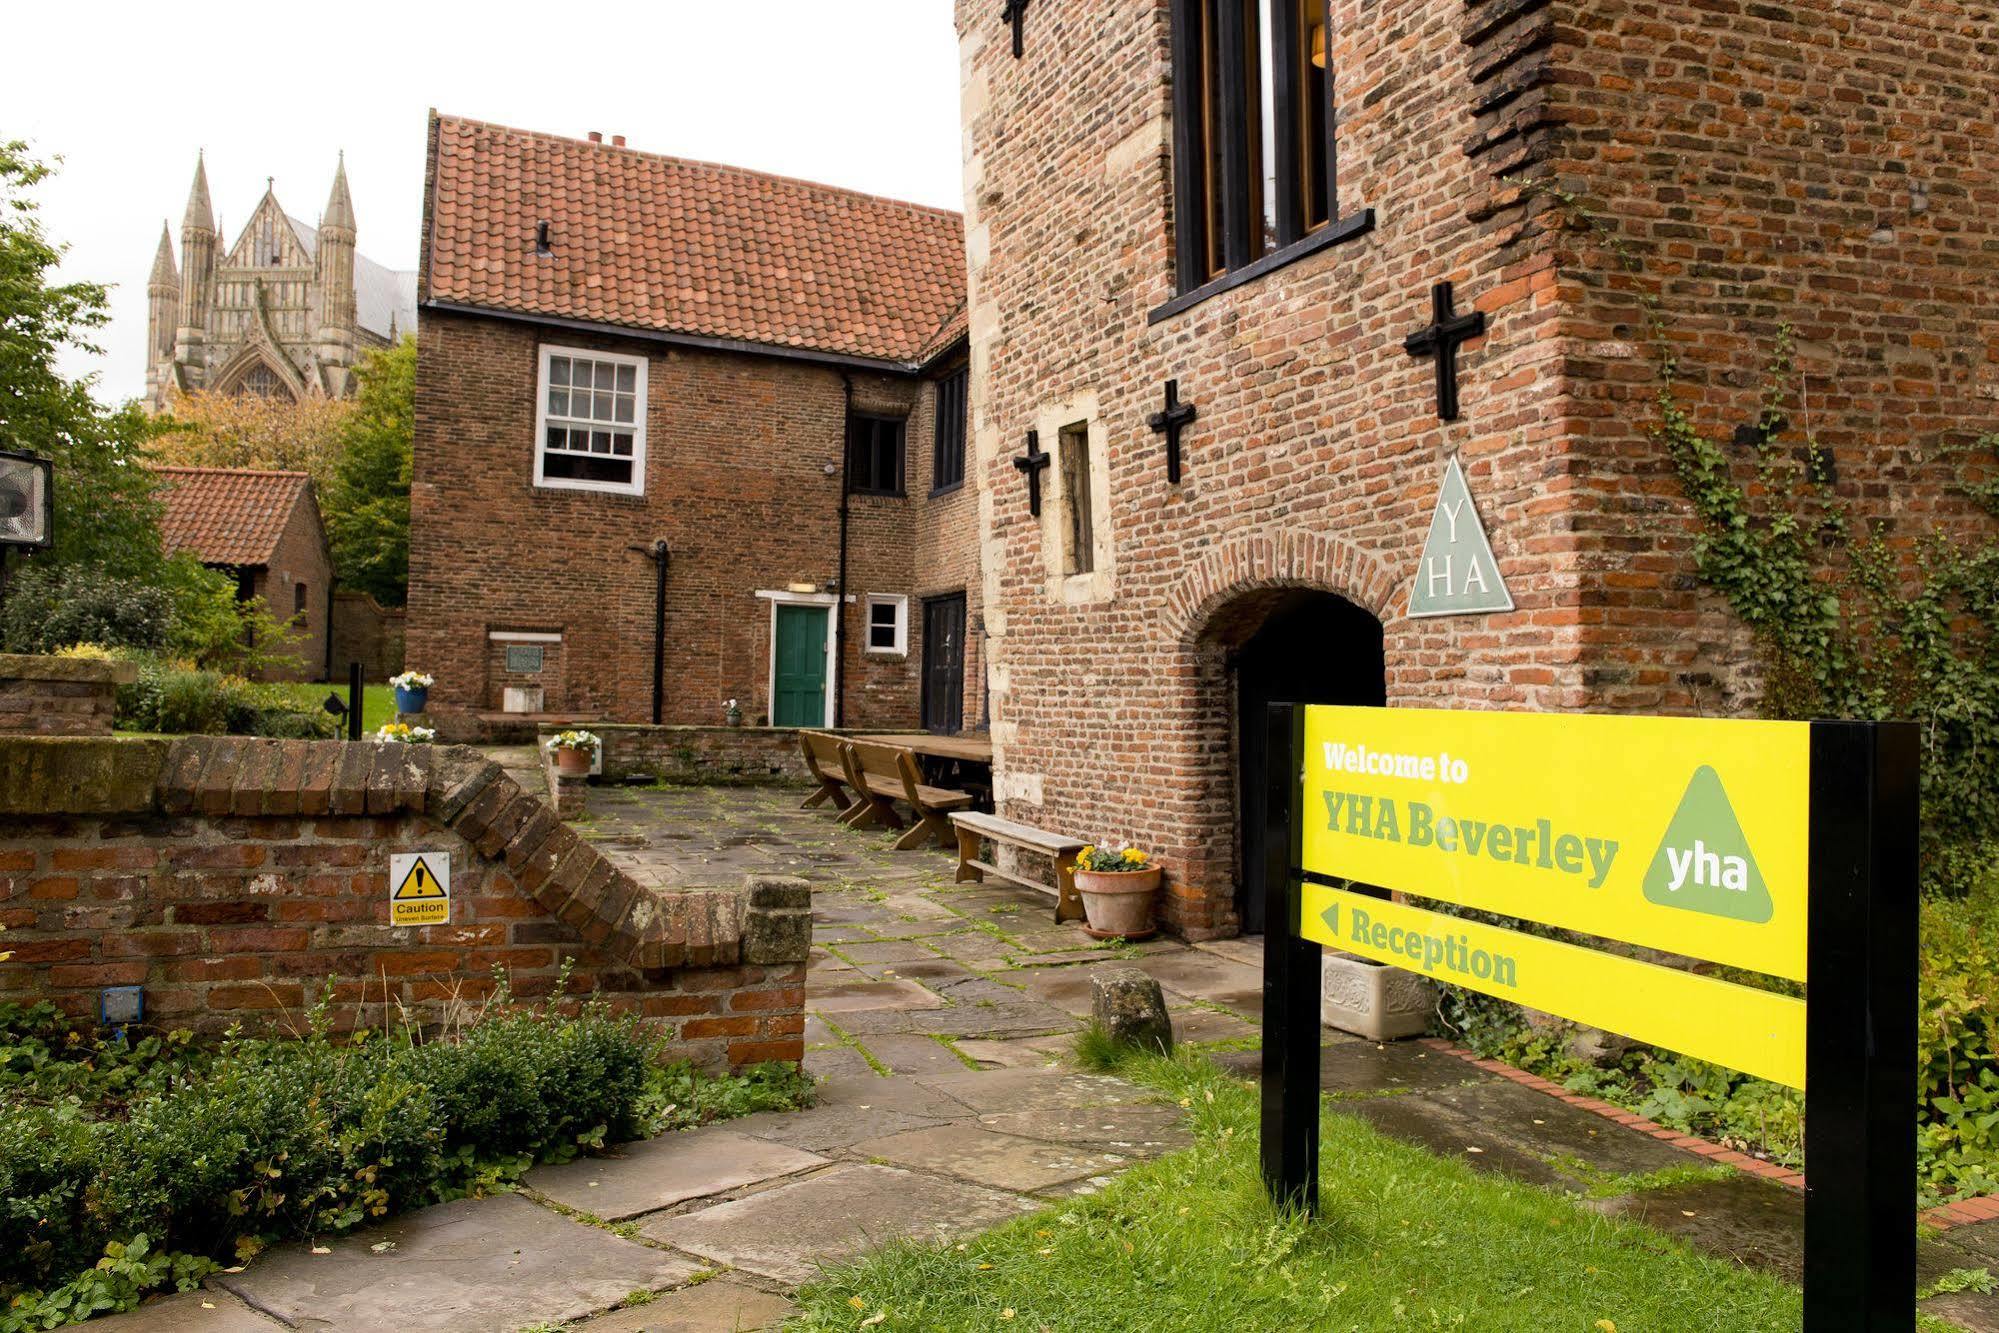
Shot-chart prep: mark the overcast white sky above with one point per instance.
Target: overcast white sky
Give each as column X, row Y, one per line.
column 861, row 93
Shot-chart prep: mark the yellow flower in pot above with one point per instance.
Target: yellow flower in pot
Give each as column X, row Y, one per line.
column 1118, row 885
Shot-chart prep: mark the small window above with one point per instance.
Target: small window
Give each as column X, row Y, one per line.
column 947, row 466
column 298, row 599
column 591, row 427
column 524, row 659
column 888, row 624
column 1079, row 534
column 874, row 455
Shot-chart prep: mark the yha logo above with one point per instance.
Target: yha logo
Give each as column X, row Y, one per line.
column 1704, row 863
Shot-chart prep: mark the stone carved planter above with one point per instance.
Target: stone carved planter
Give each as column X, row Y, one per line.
column 1118, row 902
column 1372, row 1000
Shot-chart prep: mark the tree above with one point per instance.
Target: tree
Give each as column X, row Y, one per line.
column 204, row 429
column 367, row 498
column 106, row 513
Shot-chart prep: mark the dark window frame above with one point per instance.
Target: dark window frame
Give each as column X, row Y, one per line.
column 877, row 450
column 947, row 440
column 1212, row 128
column 1079, row 500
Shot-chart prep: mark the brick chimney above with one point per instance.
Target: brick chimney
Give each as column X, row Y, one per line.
column 596, row 136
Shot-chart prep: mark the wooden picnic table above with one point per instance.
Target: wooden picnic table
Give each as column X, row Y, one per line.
column 970, row 748
column 964, row 761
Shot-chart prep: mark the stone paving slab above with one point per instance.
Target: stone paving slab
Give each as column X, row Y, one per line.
column 853, row 997
column 986, row 1157
column 651, row 1174
column 472, row 1266
column 788, row 1232
column 886, row 951
column 720, row 1306
column 991, row 1092
column 191, row 1312
column 831, row 1128
column 904, row 1054
column 872, row 1092
column 1142, row 1129
column 1205, row 976
column 836, row 1062
column 1024, row 1053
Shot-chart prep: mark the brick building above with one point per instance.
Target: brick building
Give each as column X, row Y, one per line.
column 1151, row 196
column 263, row 528
column 775, row 406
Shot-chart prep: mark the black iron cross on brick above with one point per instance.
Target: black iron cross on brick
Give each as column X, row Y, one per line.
column 1170, row 421
column 1033, row 463
column 1015, row 11
column 1441, row 340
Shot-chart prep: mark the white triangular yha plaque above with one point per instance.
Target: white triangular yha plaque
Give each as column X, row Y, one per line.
column 1457, row 575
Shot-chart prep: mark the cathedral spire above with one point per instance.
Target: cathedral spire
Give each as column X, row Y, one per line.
column 164, row 273
column 199, row 216
column 339, row 204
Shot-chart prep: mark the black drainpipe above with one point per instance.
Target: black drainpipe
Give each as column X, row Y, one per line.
column 660, row 556
column 840, row 587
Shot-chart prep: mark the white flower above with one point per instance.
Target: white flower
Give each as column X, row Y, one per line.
column 573, row 740
column 411, row 680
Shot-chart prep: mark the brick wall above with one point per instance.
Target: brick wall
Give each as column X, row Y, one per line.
column 722, row 756
column 233, row 879
column 1812, row 164
column 60, row 696
column 742, row 481
column 367, row 632
column 299, row 560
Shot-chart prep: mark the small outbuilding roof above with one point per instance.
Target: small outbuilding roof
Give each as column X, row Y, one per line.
column 229, row 515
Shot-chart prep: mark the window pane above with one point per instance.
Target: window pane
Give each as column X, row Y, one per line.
column 558, row 370
column 621, row 444
column 1260, row 42
column 605, row 374
column 1314, row 61
column 624, row 412
column 1079, row 555
column 587, row 467
column 882, row 613
column 602, row 407
column 556, row 436
column 600, row 442
column 627, row 379
column 558, row 402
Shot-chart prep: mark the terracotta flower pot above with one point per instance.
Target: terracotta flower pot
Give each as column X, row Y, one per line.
column 1118, row 902
column 573, row 763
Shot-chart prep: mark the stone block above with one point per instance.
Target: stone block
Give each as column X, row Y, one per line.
column 777, row 928
column 1131, row 1008
column 1372, row 1000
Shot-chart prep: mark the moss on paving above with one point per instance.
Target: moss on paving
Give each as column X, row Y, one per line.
column 1406, row 1239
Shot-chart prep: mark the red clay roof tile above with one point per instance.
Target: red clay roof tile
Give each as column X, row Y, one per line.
column 227, row 515
column 643, row 241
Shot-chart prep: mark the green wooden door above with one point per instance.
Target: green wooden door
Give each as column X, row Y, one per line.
column 800, row 695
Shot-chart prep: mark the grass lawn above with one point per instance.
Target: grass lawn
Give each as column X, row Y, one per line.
column 378, row 702
column 1406, row 1240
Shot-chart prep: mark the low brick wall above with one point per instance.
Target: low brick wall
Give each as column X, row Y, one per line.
column 697, row 756
column 232, row 878
column 60, row 696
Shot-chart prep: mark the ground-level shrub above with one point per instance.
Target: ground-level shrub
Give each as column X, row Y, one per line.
column 179, row 1154
column 174, row 697
column 1957, row 1051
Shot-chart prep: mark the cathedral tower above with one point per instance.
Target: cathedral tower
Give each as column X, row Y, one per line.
column 197, row 279
column 162, row 311
column 335, row 265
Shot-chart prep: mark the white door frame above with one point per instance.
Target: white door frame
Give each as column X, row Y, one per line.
column 778, row 597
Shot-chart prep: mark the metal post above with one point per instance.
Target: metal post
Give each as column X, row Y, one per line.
column 353, row 701
column 1860, row 1030
column 1290, row 1142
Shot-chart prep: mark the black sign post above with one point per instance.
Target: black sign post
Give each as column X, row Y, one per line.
column 1860, row 1016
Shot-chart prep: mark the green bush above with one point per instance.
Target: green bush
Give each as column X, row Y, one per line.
column 162, row 1155
column 52, row 606
column 175, row 698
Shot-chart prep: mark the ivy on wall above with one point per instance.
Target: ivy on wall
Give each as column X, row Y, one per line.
column 1852, row 617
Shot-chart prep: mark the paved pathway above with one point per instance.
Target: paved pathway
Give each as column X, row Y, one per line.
column 938, row 1016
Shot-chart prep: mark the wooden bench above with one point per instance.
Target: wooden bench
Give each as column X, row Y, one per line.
column 884, row 774
column 822, row 761
column 972, row 826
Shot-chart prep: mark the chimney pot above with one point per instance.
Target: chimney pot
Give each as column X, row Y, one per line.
column 596, row 136
column 617, row 141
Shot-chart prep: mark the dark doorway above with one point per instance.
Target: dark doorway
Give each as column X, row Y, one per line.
column 944, row 664
column 1312, row 648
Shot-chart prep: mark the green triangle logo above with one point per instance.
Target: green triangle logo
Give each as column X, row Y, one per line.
column 1704, row 863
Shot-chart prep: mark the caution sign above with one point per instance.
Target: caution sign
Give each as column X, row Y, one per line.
column 420, row 888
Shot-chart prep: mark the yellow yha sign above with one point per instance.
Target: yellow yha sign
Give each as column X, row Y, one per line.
column 1681, row 834
column 1755, row 1031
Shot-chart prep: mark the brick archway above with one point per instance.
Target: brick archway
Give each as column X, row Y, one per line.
column 1218, row 604
column 1253, row 561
